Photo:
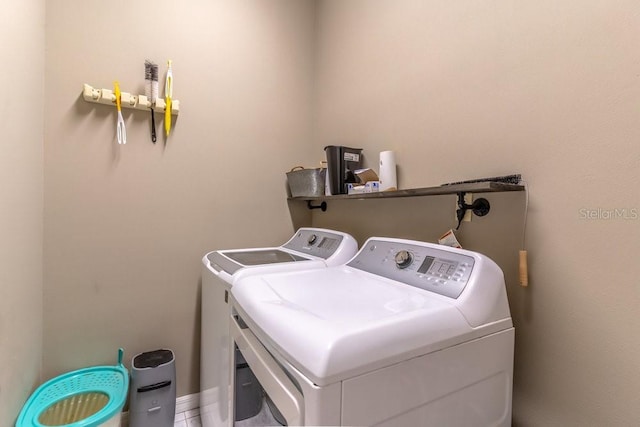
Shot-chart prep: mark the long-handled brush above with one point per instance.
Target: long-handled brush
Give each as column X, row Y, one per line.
column 168, row 95
column 151, row 91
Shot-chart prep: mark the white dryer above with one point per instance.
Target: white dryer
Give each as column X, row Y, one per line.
column 308, row 248
column 405, row 334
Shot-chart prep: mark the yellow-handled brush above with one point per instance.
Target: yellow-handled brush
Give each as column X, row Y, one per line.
column 168, row 94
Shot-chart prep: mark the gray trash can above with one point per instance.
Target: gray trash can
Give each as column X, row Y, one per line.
column 153, row 389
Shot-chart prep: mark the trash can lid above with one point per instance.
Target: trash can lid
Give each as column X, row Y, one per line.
column 152, row 359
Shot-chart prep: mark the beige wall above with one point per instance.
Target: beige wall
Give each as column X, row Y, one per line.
column 549, row 89
column 459, row 90
column 22, row 50
column 126, row 226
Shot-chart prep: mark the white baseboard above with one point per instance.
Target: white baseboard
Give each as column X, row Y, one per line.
column 190, row 402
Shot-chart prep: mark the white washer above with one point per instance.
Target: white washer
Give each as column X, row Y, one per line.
column 407, row 333
column 309, row 248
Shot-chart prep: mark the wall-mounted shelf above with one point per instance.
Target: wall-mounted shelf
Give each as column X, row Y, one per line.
column 479, row 207
column 136, row 102
column 476, row 187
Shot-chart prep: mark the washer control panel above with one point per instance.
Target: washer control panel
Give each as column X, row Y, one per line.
column 426, row 266
column 319, row 243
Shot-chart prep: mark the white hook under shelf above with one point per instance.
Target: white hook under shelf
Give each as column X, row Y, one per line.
column 128, row 100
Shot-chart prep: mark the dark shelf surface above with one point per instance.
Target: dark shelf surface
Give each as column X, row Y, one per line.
column 476, row 187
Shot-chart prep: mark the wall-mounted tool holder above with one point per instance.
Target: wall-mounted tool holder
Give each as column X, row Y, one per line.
column 136, row 102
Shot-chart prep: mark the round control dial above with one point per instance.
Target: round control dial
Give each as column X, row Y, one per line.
column 403, row 259
column 312, row 239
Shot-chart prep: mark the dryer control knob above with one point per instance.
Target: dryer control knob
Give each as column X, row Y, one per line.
column 312, row 239
column 403, row 259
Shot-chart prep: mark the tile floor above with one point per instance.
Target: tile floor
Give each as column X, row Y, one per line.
column 190, row 418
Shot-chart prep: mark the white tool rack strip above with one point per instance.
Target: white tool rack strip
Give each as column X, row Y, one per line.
column 128, row 100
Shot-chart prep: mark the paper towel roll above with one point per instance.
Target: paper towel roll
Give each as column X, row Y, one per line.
column 388, row 179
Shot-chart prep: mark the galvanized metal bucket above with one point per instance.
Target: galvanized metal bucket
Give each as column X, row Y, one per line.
column 306, row 182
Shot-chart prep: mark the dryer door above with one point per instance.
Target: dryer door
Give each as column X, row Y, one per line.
column 278, row 387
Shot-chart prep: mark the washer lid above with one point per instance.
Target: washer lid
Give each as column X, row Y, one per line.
column 264, row 256
column 327, row 247
column 338, row 322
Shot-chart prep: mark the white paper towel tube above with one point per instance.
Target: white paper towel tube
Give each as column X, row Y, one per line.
column 388, row 179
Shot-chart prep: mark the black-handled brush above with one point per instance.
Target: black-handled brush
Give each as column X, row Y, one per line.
column 151, row 91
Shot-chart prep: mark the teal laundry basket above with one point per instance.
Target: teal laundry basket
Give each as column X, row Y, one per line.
column 87, row 397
